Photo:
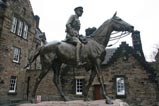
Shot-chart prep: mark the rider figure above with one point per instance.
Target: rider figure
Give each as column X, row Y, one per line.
column 72, row 30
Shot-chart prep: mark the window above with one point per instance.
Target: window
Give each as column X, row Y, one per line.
column 16, row 55
column 14, row 25
column 120, row 86
column 25, row 31
column 79, row 86
column 12, row 87
column 20, row 27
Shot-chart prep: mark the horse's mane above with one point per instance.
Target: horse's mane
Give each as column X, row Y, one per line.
column 100, row 29
column 100, row 32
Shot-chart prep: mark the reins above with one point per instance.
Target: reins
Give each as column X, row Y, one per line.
column 123, row 34
column 118, row 37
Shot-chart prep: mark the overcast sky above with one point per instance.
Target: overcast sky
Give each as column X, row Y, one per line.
column 142, row 14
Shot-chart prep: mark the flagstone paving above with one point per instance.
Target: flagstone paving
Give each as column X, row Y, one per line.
column 77, row 103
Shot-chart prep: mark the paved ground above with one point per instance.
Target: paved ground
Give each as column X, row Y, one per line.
column 77, row 103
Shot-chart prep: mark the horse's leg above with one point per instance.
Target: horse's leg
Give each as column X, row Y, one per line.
column 101, row 80
column 86, row 90
column 57, row 67
column 44, row 71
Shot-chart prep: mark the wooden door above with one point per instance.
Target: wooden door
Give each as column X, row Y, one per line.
column 97, row 92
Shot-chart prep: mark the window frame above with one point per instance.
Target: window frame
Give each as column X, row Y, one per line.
column 120, row 86
column 79, row 86
column 25, row 31
column 13, row 84
column 20, row 28
column 14, row 24
column 16, row 52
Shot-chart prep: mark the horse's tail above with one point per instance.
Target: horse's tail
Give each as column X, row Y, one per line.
column 33, row 57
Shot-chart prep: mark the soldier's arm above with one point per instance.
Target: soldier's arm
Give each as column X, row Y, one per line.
column 69, row 28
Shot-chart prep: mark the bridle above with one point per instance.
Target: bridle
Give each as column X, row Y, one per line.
column 123, row 34
column 118, row 37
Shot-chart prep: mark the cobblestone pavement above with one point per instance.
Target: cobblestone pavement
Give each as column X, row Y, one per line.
column 77, row 103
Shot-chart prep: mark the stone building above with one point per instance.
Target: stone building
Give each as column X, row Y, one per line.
column 126, row 74
column 19, row 37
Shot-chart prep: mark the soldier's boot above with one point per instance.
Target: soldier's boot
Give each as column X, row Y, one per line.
column 77, row 54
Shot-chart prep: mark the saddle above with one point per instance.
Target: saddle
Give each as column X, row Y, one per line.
column 82, row 38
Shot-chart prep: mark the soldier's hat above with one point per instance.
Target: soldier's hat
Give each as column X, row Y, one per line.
column 78, row 8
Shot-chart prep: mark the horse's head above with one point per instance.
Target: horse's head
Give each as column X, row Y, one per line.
column 120, row 25
column 103, row 33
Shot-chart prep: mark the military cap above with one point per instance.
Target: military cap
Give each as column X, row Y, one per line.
column 78, row 8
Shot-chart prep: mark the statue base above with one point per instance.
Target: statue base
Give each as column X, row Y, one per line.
column 116, row 102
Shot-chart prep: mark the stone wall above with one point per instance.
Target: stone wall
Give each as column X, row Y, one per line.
column 140, row 89
column 46, row 88
column 8, row 40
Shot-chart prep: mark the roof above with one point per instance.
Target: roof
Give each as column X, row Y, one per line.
column 113, row 54
column 109, row 54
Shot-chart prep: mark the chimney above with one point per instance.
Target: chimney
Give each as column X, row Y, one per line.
column 136, row 40
column 37, row 19
column 137, row 43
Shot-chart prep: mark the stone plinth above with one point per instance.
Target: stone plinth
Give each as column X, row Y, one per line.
column 116, row 102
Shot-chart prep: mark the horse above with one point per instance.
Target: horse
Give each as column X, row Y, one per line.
column 54, row 54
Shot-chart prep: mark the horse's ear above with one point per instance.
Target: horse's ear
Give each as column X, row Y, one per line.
column 115, row 14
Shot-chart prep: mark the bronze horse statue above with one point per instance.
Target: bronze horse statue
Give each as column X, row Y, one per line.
column 54, row 54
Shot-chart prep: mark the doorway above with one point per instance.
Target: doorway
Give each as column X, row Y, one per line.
column 97, row 92
column 28, row 90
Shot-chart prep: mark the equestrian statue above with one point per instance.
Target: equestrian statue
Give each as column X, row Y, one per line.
column 54, row 54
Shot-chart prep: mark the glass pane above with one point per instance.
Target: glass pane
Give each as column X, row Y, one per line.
column 16, row 54
column 120, row 86
column 78, row 86
column 12, row 84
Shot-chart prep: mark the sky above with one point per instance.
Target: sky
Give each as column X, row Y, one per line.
column 142, row 14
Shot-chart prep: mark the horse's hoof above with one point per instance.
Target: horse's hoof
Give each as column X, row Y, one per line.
column 66, row 99
column 87, row 99
column 33, row 100
column 108, row 102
